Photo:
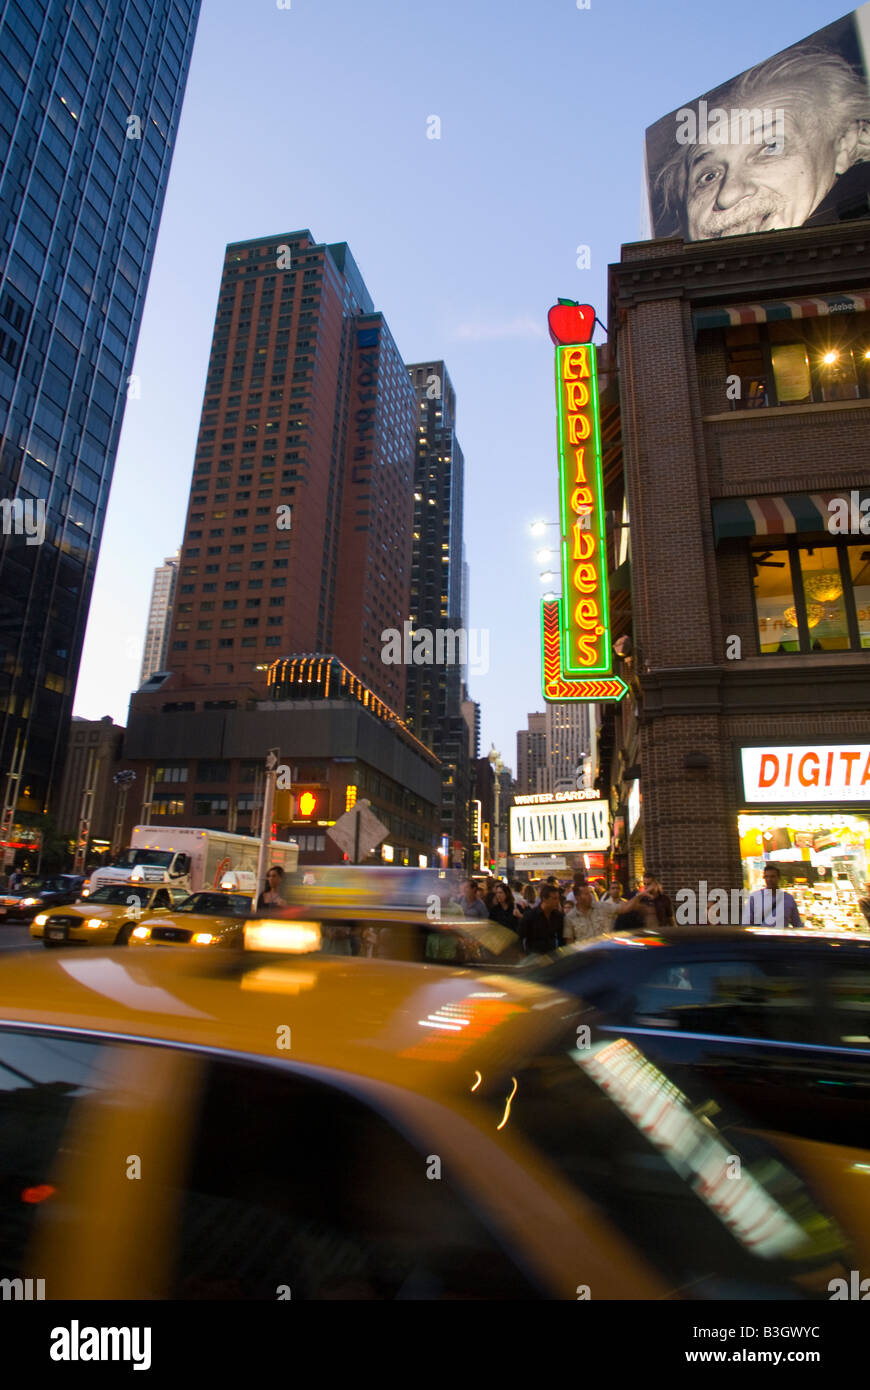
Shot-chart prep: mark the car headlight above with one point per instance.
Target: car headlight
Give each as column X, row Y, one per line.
column 203, row 938
column 136, row 876
column 29, row 902
column 141, row 933
column 94, row 922
column 85, row 892
column 41, row 919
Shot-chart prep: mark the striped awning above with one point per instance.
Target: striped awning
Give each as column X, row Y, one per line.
column 727, row 316
column 777, row 516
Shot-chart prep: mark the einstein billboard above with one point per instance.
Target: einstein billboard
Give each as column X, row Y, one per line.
column 785, row 144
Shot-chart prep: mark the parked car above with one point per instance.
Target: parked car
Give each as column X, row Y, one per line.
column 312, row 1131
column 105, row 918
column 775, row 1021
column 38, row 893
column 200, row 919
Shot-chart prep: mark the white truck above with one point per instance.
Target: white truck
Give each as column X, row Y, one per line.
column 191, row 859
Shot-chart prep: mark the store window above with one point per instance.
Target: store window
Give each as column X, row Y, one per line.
column 774, row 601
column 800, row 361
column 812, row 598
column 822, row 858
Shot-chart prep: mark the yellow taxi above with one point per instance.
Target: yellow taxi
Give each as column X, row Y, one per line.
column 106, row 918
column 220, row 1125
column 213, row 918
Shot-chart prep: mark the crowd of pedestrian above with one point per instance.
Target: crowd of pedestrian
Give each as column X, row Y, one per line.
column 550, row 914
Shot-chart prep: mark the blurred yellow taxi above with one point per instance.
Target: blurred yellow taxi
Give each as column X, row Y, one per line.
column 212, row 918
column 107, row 917
column 309, row 1127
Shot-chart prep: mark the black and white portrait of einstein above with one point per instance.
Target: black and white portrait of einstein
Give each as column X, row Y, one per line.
column 786, row 144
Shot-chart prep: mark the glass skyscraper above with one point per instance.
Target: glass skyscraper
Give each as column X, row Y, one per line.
column 90, row 98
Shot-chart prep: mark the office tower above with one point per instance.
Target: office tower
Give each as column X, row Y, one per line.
column 159, row 617
column 90, row 98
column 297, row 536
column 532, row 756
column 295, row 563
column 438, row 592
column 570, row 736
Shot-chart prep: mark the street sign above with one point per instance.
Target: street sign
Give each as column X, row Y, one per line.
column 273, row 758
column 358, row 832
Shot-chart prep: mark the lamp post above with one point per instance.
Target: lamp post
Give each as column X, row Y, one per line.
column 498, row 767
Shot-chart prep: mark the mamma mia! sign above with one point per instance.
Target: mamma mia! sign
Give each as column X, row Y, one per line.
column 560, row 828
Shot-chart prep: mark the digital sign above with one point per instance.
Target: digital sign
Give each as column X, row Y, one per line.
column 806, row 773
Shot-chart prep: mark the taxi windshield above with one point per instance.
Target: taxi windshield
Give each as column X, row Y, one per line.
column 216, row 904
column 119, row 895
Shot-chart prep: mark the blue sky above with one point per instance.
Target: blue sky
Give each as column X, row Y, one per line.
column 316, row 116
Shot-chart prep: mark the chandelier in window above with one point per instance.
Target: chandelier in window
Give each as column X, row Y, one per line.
column 824, row 586
column 815, row 613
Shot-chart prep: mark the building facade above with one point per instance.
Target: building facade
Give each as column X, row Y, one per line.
column 570, row 745
column 532, row 756
column 90, row 99
column 439, row 589
column 200, row 761
column 298, row 531
column 159, row 618
column 745, row 400
column 295, row 563
column 93, row 758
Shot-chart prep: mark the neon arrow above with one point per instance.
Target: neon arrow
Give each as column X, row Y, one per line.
column 556, row 686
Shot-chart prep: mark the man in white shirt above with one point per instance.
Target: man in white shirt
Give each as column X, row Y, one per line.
column 770, row 906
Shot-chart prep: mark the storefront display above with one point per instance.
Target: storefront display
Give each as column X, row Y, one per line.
column 822, row 859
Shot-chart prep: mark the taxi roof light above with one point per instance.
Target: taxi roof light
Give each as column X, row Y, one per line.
column 296, row 937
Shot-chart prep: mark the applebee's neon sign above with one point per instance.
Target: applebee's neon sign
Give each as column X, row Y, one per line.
column 585, row 623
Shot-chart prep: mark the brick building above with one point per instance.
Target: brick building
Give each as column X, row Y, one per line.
column 744, row 382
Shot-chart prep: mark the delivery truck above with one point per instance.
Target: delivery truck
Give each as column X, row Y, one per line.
column 190, row 858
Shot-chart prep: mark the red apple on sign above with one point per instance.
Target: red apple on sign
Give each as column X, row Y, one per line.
column 571, row 322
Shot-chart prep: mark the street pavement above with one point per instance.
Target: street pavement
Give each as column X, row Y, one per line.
column 15, row 936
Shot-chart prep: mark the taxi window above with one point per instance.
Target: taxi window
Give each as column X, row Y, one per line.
column 41, row 1078
column 769, row 999
column 617, row 1128
column 294, row 1183
column 849, row 990
column 161, row 898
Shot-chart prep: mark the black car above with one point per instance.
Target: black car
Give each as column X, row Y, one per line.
column 36, row 894
column 776, row 1023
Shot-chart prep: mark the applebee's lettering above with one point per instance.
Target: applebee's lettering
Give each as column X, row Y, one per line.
column 585, row 596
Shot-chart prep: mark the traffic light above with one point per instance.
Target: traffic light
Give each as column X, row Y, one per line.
column 312, row 803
